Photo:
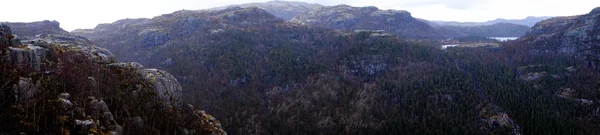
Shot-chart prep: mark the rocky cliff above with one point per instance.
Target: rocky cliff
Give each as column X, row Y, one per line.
column 55, row 83
column 345, row 17
column 30, row 30
column 578, row 36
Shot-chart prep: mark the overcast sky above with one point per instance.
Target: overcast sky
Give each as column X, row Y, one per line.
column 74, row 14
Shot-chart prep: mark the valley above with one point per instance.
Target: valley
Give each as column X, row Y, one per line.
column 284, row 67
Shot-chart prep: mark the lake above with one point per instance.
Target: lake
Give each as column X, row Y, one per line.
column 502, row 39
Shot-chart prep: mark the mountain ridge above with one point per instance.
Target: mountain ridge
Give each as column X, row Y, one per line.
column 398, row 22
column 528, row 21
column 283, row 9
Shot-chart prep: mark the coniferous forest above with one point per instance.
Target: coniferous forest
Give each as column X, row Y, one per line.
column 244, row 70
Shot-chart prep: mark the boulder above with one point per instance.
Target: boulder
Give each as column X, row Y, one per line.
column 166, row 86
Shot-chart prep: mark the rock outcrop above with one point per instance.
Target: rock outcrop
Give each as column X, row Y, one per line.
column 96, row 93
column 345, row 17
column 165, row 85
column 31, row 29
column 578, row 36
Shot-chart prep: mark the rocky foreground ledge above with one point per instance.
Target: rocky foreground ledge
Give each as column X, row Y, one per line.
column 61, row 84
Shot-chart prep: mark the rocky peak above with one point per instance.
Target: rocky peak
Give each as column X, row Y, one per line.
column 398, row 22
column 282, row 9
column 29, row 30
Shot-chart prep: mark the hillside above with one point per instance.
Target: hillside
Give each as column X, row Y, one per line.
column 573, row 35
column 282, row 9
column 344, row 17
column 263, row 75
column 55, row 83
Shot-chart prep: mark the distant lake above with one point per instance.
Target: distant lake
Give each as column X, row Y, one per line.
column 502, row 39
column 447, row 46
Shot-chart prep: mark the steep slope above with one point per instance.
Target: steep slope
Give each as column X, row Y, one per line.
column 265, row 75
column 345, row 17
column 56, row 83
column 282, row 9
column 578, row 36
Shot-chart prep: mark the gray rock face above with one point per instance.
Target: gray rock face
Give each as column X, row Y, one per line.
column 578, row 36
column 165, row 85
column 74, row 43
column 27, row 57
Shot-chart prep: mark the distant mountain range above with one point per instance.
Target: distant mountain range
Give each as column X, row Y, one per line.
column 529, row 21
column 282, row 9
column 400, row 23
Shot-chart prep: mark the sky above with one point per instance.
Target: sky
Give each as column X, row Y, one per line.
column 77, row 14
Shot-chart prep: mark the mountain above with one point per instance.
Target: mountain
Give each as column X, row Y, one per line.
column 345, row 17
column 263, row 75
column 529, row 21
column 56, row 83
column 494, row 30
column 573, row 35
column 283, row 9
column 30, row 30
